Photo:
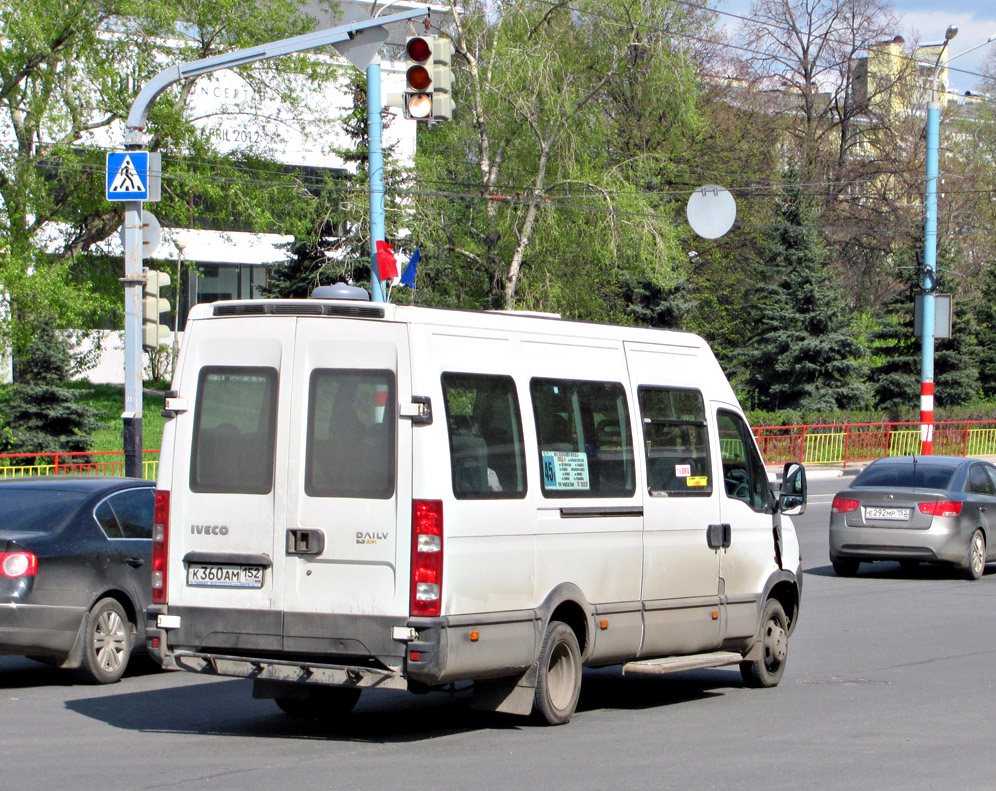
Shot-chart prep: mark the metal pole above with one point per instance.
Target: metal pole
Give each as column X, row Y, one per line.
column 133, row 288
column 930, row 279
column 375, row 162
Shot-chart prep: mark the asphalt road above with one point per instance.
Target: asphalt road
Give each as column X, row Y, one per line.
column 888, row 686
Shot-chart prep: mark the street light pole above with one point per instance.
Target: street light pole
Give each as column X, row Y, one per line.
column 929, row 275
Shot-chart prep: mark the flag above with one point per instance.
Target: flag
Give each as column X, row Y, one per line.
column 387, row 264
column 408, row 278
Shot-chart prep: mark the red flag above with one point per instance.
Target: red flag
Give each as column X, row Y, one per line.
column 387, row 264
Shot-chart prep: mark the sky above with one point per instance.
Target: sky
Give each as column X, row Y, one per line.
column 926, row 21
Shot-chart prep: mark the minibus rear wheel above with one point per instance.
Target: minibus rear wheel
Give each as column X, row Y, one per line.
column 558, row 683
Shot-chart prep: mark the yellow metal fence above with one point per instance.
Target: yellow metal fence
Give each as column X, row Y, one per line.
column 97, row 463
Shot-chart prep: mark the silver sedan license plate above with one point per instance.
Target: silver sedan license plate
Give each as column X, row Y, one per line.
column 216, row 575
column 895, row 514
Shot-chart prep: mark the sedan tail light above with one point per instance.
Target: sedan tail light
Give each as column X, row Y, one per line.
column 843, row 506
column 940, row 509
column 18, row 564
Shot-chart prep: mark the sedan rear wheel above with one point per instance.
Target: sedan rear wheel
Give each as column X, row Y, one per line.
column 845, row 567
column 107, row 635
column 975, row 563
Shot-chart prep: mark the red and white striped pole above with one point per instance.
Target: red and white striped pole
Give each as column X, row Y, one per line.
column 927, row 418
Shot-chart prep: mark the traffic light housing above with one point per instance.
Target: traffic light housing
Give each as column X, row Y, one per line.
column 154, row 333
column 428, row 78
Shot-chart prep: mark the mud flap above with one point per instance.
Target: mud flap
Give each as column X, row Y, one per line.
column 507, row 695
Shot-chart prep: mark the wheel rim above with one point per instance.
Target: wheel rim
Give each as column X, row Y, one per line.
column 775, row 644
column 110, row 641
column 978, row 554
column 561, row 676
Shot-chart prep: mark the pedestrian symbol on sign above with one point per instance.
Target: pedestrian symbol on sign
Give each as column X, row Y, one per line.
column 133, row 176
column 127, row 179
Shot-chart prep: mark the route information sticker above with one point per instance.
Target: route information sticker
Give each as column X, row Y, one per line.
column 565, row 471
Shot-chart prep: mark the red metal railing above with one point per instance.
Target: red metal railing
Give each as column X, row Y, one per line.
column 843, row 443
column 101, row 462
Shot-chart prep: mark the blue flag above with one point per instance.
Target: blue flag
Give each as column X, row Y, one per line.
column 408, row 277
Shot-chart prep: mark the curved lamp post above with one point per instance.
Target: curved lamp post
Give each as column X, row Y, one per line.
column 929, row 274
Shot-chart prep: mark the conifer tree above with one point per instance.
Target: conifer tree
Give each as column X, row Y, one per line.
column 896, row 377
column 804, row 354
column 41, row 413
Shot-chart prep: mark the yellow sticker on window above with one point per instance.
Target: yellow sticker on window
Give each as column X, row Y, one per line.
column 697, row 480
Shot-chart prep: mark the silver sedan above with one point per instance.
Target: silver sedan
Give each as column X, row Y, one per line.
column 916, row 508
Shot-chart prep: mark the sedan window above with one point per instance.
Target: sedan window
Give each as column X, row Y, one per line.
column 978, row 481
column 36, row 510
column 127, row 514
column 907, row 476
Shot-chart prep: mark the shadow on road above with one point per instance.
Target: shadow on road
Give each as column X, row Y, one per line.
column 22, row 673
column 227, row 708
column 889, row 570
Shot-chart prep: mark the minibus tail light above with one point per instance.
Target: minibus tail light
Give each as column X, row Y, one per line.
column 427, row 558
column 160, row 546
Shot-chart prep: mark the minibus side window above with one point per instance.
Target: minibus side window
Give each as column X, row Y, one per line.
column 487, row 460
column 584, row 437
column 234, row 430
column 744, row 476
column 351, row 434
column 676, row 439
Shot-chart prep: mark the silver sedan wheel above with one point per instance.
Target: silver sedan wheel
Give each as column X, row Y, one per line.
column 977, row 556
column 110, row 641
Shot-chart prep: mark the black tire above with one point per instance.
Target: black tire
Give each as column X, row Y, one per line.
column 558, row 683
column 320, row 703
column 975, row 561
column 767, row 670
column 108, row 637
column 845, row 567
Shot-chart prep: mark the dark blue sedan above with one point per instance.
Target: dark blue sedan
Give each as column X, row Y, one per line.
column 74, row 571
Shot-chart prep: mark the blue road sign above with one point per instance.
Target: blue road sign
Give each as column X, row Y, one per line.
column 127, row 175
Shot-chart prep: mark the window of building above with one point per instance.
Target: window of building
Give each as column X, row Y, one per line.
column 487, row 459
column 585, row 440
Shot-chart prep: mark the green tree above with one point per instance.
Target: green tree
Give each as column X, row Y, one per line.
column 42, row 415
column 544, row 190
column 985, row 318
column 68, row 74
column 803, row 354
column 896, row 376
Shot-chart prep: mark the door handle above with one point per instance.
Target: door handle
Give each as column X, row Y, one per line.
column 719, row 536
column 135, row 562
column 305, row 542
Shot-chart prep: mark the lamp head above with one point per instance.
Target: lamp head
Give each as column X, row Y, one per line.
column 951, row 32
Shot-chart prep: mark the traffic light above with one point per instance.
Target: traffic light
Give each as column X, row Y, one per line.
column 428, row 79
column 154, row 333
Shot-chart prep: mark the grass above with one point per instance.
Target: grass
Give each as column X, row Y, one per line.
column 108, row 400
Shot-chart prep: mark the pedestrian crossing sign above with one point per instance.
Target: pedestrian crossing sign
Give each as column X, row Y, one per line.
column 133, row 176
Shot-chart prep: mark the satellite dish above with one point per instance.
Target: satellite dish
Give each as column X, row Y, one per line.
column 711, row 211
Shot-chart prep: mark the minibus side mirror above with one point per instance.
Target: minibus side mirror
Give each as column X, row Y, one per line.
column 792, row 496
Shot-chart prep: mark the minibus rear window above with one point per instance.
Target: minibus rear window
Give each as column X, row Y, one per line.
column 487, row 460
column 584, row 436
column 234, row 427
column 351, row 434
